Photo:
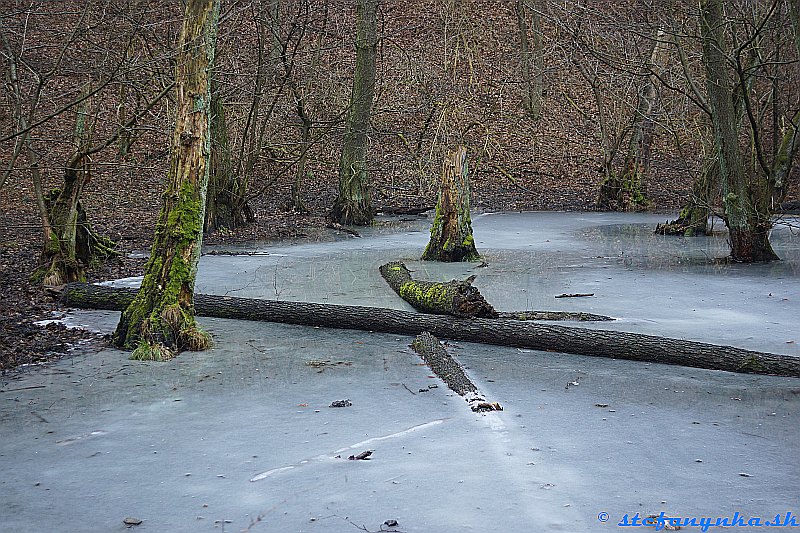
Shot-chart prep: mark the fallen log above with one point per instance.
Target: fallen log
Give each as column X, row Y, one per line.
column 449, row 370
column 553, row 315
column 457, row 298
column 535, row 336
column 461, row 299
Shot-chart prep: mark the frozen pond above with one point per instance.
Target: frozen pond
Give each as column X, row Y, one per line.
column 242, row 436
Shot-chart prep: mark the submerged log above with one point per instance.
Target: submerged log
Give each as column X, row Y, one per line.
column 457, row 298
column 535, row 336
column 450, row 371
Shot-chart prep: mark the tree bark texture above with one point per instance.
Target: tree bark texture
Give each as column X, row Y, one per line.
column 457, row 298
column 747, row 211
column 547, row 337
column 160, row 321
column 226, row 202
column 353, row 205
column 450, row 371
column 451, row 232
column 70, row 243
column 532, row 63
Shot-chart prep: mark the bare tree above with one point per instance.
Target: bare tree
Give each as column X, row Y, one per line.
column 160, row 322
column 532, row 63
column 353, row 205
column 733, row 58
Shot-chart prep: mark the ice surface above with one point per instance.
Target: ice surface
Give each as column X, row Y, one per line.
column 242, row 435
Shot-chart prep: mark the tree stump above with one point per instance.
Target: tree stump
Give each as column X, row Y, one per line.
column 451, row 233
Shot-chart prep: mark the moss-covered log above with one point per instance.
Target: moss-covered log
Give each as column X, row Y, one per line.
column 535, row 336
column 159, row 322
column 457, row 298
column 450, row 371
column 460, row 298
column 451, row 232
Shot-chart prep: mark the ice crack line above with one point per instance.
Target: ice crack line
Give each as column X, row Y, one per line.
column 363, row 443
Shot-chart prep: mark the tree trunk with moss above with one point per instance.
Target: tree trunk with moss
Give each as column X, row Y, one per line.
column 451, row 234
column 353, row 205
column 693, row 217
column 160, row 322
column 625, row 190
column 226, row 200
column 457, row 298
column 70, row 243
column 746, row 195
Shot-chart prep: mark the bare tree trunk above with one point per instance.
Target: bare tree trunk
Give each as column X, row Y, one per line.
column 532, row 63
column 353, row 205
column 160, row 321
column 625, row 191
column 451, row 233
column 296, row 201
column 226, row 201
column 747, row 214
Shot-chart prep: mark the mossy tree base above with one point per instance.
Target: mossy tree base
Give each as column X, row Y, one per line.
column 623, row 193
column 451, row 232
column 159, row 322
column 457, row 298
column 72, row 244
column 692, row 221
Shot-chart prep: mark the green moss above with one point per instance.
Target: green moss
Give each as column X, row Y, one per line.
column 751, row 364
column 151, row 352
column 433, row 295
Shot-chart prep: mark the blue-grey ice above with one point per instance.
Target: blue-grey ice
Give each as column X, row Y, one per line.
column 242, row 436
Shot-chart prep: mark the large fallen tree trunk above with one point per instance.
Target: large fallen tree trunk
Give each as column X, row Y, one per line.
column 549, row 337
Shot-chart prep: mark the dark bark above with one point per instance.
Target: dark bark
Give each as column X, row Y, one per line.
column 451, row 232
column 547, row 337
column 353, row 205
column 746, row 195
column 450, row 371
column 226, row 200
column 457, row 298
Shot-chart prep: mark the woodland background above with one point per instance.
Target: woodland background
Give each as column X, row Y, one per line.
column 543, row 125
